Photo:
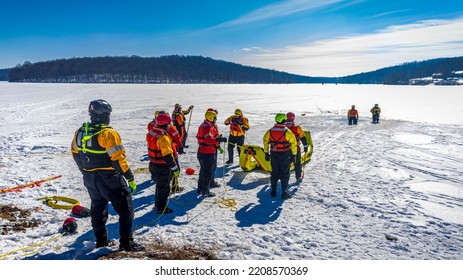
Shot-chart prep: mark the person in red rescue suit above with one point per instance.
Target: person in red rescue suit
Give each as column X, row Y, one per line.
column 209, row 141
column 178, row 119
column 100, row 156
column 352, row 115
column 171, row 129
column 163, row 159
column 239, row 124
column 300, row 137
column 282, row 145
column 214, row 183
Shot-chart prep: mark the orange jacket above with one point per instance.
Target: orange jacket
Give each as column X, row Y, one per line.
column 298, row 132
column 99, row 147
column 206, row 136
column 178, row 117
column 161, row 149
column 238, row 125
column 352, row 113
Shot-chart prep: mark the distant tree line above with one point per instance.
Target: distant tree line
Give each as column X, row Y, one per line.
column 198, row 69
column 403, row 73
column 135, row 69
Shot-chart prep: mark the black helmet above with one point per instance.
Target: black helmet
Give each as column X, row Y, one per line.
column 99, row 111
column 99, row 107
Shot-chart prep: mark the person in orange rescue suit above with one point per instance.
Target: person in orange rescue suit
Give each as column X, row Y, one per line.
column 100, row 156
column 300, row 137
column 163, row 159
column 280, row 147
column 239, row 124
column 352, row 115
column 178, row 119
column 209, row 141
column 171, row 129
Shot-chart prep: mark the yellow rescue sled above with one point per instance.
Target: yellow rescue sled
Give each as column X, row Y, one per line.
column 253, row 156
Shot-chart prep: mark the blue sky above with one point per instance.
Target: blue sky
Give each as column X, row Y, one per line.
column 308, row 37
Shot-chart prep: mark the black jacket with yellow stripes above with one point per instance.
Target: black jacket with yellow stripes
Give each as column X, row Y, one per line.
column 99, row 147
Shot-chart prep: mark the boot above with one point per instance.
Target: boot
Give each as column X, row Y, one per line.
column 131, row 246
column 285, row 195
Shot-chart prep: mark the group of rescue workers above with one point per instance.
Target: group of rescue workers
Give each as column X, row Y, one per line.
column 100, row 156
column 353, row 114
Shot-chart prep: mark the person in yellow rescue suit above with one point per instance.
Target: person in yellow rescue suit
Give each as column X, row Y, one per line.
column 239, row 124
column 178, row 119
column 163, row 164
column 99, row 154
column 375, row 112
column 300, row 137
column 282, row 144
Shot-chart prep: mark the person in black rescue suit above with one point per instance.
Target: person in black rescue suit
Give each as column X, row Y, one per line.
column 283, row 149
column 99, row 154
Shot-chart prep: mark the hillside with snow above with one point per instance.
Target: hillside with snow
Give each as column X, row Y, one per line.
column 391, row 191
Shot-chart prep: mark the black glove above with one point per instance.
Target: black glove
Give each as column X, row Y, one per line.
column 306, row 148
column 238, row 121
column 191, row 107
column 180, row 150
column 267, row 156
column 293, row 158
column 221, row 139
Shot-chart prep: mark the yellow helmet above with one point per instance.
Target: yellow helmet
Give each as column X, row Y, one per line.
column 238, row 112
column 211, row 116
column 161, row 112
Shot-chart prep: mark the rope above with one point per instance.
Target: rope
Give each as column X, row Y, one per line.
column 53, row 202
column 3, row 256
column 29, row 185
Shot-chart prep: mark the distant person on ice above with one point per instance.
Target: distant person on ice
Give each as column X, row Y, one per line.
column 352, row 115
column 178, row 119
column 375, row 112
column 239, row 124
column 280, row 147
column 98, row 152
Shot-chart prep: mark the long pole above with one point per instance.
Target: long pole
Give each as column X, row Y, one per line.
column 188, row 127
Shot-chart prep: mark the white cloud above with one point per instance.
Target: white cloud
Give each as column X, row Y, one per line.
column 277, row 10
column 354, row 54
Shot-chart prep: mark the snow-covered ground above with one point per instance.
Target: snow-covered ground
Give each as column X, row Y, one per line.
column 402, row 178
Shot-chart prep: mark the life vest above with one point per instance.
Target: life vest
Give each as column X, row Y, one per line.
column 156, row 154
column 375, row 110
column 277, row 139
column 206, row 136
column 92, row 154
column 352, row 113
column 235, row 127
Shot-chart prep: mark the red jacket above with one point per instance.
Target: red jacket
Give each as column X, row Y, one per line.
column 206, row 136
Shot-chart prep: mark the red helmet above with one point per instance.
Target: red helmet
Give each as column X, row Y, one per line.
column 290, row 116
column 163, row 119
column 212, row 110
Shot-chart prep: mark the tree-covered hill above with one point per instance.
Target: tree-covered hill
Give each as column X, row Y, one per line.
column 135, row 69
column 427, row 71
